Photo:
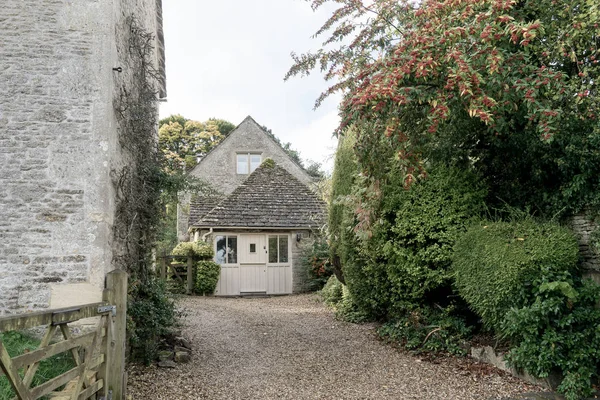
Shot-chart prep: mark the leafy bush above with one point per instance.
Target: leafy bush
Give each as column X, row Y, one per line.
column 332, row 291
column 198, row 250
column 347, row 309
column 496, row 263
column 315, row 259
column 558, row 330
column 207, row 276
column 405, row 263
column 429, row 329
column 151, row 312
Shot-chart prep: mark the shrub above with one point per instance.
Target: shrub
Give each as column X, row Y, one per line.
column 198, row 250
column 496, row 263
column 348, row 310
column 332, row 291
column 429, row 329
column 558, row 331
column 406, row 261
column 207, row 276
column 151, row 313
column 315, row 259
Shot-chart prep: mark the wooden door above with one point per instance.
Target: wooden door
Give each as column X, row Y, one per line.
column 253, row 263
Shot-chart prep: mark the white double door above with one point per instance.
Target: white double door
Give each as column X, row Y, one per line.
column 253, row 252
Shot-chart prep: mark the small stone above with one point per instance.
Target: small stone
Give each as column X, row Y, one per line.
column 183, row 342
column 182, row 357
column 167, row 364
column 180, row 348
column 165, row 355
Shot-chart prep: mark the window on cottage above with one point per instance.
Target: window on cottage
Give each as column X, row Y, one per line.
column 247, row 162
column 278, row 249
column 226, row 250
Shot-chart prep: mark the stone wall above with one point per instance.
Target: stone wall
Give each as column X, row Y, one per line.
column 58, row 145
column 583, row 225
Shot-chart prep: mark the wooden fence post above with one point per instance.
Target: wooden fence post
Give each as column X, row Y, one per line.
column 190, row 275
column 116, row 295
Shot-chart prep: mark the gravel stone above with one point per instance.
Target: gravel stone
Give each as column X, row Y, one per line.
column 292, row 347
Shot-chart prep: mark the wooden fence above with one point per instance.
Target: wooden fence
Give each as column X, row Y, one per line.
column 99, row 355
column 179, row 268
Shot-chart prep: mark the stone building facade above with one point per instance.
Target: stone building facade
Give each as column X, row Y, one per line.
column 261, row 214
column 61, row 63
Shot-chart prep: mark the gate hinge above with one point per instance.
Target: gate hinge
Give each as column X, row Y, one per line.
column 105, row 309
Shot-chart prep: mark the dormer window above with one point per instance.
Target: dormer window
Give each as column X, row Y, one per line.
column 247, row 162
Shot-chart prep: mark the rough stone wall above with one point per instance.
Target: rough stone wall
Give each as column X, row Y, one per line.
column 58, row 144
column 218, row 168
column 583, row 226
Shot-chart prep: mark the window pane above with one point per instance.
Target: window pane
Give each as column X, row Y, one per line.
column 232, row 250
column 255, row 160
column 272, row 249
column 242, row 163
column 283, row 249
column 252, row 247
column 221, row 249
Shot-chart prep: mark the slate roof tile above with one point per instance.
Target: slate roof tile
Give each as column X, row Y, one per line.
column 270, row 197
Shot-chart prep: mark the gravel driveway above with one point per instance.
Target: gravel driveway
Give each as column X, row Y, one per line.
column 292, row 347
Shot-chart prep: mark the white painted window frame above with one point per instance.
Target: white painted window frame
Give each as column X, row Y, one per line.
column 248, row 154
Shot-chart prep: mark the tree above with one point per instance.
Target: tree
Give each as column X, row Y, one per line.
column 182, row 140
column 471, row 80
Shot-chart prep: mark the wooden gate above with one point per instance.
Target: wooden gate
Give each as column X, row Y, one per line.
column 178, row 268
column 99, row 356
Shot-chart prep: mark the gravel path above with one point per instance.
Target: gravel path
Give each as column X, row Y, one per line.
column 292, row 347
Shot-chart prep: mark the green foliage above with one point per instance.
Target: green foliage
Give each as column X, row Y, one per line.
column 511, row 88
column 268, row 163
column 405, row 261
column 315, row 259
column 198, row 250
column 182, row 140
column 429, row 329
column 340, row 205
column 420, row 227
column 347, row 309
column 557, row 331
column 17, row 343
column 151, row 313
column 207, row 276
column 496, row 263
column 332, row 291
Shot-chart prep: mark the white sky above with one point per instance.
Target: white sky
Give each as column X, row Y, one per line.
column 227, row 59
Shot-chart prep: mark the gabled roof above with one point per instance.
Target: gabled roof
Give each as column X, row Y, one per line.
column 270, row 197
column 250, row 120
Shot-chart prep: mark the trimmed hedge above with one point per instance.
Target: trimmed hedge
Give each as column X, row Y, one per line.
column 207, row 276
column 199, row 250
column 496, row 263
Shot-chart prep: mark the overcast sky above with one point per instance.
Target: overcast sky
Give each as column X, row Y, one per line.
column 227, row 59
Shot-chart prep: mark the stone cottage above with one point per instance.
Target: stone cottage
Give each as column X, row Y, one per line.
column 62, row 65
column 259, row 215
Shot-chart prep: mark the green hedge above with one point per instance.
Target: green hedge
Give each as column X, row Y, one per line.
column 207, row 276
column 496, row 263
column 198, row 250
column 405, row 263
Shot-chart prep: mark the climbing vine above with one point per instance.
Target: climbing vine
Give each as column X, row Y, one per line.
column 139, row 182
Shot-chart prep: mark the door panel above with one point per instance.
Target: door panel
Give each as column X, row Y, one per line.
column 252, row 249
column 253, row 278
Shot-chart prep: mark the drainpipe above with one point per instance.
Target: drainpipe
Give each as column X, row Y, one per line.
column 210, row 231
